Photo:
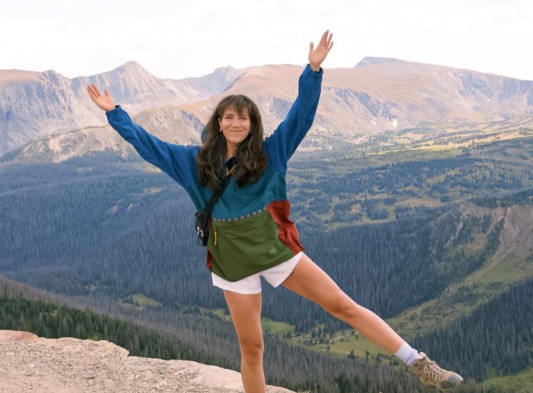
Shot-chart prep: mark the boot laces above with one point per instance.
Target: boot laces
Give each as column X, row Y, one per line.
column 432, row 370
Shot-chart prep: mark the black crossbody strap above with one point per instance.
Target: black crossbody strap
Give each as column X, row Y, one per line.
column 216, row 195
column 202, row 216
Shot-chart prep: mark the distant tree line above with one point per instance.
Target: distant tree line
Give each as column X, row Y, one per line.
column 286, row 365
column 82, row 235
column 354, row 189
column 106, row 229
column 496, row 337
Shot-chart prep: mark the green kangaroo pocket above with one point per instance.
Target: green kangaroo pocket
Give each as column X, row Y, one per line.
column 246, row 246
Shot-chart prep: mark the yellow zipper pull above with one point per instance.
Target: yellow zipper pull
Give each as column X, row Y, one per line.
column 215, row 240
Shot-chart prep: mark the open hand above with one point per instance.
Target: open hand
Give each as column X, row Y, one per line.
column 104, row 102
column 318, row 55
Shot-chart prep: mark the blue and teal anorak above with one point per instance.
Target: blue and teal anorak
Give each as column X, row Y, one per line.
column 250, row 227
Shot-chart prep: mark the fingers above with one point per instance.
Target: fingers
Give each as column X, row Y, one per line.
column 324, row 38
column 327, row 40
column 319, row 53
column 104, row 102
column 93, row 91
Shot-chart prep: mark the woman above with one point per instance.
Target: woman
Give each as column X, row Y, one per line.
column 251, row 233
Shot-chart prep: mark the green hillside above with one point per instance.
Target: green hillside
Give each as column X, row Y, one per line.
column 426, row 237
column 205, row 339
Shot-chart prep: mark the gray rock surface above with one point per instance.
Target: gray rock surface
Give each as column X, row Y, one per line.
column 39, row 365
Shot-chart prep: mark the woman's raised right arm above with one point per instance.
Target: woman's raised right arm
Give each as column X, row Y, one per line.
column 176, row 160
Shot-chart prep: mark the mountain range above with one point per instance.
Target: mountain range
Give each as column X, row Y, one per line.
column 377, row 96
column 33, row 104
column 417, row 199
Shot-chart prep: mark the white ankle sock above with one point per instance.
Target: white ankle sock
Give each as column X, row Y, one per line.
column 407, row 354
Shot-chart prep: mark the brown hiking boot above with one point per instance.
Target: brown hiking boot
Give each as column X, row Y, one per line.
column 431, row 374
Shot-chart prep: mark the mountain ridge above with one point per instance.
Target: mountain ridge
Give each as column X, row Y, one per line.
column 120, row 217
column 38, row 104
column 379, row 95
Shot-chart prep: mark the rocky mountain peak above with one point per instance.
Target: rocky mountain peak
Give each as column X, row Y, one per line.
column 377, row 60
column 378, row 95
column 132, row 69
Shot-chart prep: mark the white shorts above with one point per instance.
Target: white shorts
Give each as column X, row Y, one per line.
column 252, row 284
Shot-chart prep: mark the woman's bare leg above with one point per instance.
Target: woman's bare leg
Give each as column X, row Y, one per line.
column 311, row 282
column 245, row 312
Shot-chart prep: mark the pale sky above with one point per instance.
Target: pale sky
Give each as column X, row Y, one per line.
column 178, row 39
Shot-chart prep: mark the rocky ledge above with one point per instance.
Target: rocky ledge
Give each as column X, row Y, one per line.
column 39, row 365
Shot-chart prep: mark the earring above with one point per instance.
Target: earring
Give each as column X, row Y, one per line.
column 220, row 130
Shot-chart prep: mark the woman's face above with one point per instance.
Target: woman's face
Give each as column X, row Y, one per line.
column 235, row 126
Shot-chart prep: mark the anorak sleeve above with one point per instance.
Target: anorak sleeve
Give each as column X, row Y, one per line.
column 282, row 144
column 176, row 160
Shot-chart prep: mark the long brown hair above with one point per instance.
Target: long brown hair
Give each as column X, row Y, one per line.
column 251, row 158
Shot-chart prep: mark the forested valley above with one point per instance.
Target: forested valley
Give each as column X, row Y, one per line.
column 393, row 231
column 194, row 338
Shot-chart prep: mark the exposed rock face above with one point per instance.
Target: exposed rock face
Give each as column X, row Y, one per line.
column 34, row 105
column 67, row 365
column 378, row 95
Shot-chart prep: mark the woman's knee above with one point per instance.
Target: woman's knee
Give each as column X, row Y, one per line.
column 344, row 308
column 252, row 349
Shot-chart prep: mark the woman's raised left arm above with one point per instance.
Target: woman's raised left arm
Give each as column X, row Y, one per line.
column 282, row 144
